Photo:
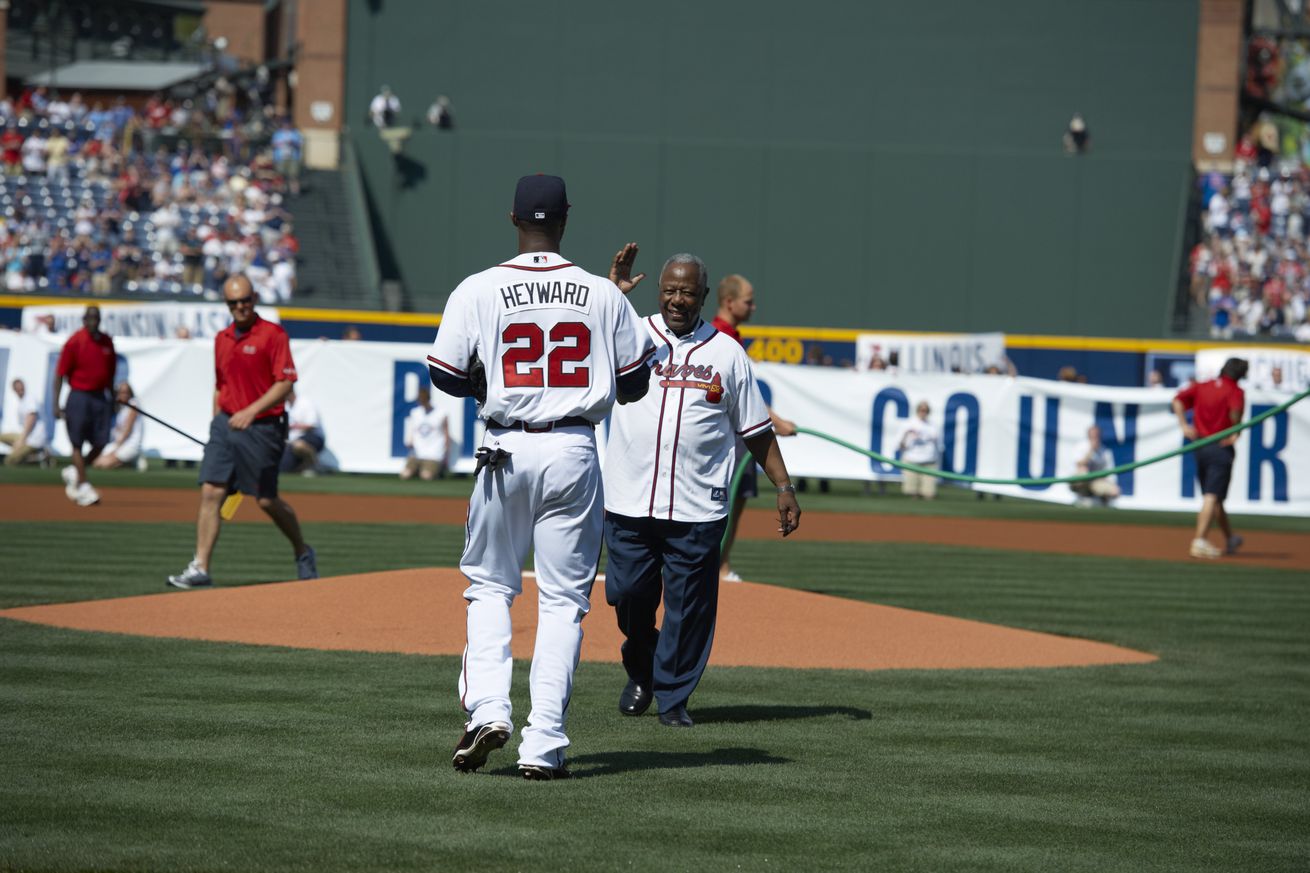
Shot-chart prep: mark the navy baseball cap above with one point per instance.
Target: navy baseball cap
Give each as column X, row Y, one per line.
column 541, row 198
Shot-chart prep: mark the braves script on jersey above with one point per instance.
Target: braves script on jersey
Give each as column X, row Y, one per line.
column 553, row 339
column 538, row 322
column 670, row 455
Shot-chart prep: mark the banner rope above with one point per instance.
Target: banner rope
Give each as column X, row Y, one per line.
column 1046, row 480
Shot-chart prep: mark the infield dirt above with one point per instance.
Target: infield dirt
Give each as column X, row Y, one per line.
column 422, row 612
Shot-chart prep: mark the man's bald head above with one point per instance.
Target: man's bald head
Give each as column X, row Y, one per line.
column 237, row 287
column 239, row 295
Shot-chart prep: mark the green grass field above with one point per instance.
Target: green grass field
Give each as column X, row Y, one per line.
column 125, row 753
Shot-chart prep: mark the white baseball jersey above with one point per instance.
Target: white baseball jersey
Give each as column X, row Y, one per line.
column 920, row 442
column 671, row 455
column 28, row 405
column 550, row 335
column 302, row 417
column 425, row 433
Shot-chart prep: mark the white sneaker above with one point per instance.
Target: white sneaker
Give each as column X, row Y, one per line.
column 1234, row 543
column 191, row 577
column 307, row 564
column 86, row 495
column 731, row 576
column 69, row 475
column 1203, row 549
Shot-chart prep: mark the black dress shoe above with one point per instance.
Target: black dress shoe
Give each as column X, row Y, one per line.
column 635, row 698
column 676, row 717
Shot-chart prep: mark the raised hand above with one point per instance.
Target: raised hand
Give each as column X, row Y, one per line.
column 621, row 268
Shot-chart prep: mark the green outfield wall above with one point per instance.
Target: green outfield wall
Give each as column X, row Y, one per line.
column 867, row 164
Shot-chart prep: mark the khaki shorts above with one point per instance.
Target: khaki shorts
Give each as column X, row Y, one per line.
column 1103, row 487
column 919, row 484
column 425, row 469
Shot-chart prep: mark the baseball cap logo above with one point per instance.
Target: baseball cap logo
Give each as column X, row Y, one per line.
column 539, row 215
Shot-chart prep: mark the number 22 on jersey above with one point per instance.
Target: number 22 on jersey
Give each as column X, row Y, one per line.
column 525, row 346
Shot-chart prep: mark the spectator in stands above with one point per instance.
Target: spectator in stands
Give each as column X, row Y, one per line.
column 384, row 109
column 439, row 114
column 1092, row 456
column 1068, row 373
column 1077, row 139
column 351, row 333
column 288, row 147
column 11, row 142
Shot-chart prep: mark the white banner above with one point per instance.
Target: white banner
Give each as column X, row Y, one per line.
column 1002, row 428
column 1293, row 365
column 931, row 353
column 992, row 426
column 158, row 320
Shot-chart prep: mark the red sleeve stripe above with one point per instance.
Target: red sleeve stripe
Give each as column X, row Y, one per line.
column 447, row 367
column 755, row 428
column 635, row 364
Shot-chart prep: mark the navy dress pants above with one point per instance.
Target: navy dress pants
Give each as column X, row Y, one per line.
column 680, row 560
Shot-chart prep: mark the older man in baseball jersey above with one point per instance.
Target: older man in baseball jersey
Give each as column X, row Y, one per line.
column 546, row 348
column 668, row 469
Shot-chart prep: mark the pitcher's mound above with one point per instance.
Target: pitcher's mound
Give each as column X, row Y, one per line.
column 422, row 612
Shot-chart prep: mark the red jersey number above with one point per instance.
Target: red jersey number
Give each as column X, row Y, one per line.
column 571, row 342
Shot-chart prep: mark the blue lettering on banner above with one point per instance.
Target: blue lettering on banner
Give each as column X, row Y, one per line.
column 887, row 395
column 1187, row 487
column 1125, row 449
column 766, row 391
column 1050, row 438
column 1262, row 454
column 955, row 403
column 401, row 405
column 470, row 419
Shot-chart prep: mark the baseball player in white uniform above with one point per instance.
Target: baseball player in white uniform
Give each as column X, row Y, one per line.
column 553, row 347
column 668, row 470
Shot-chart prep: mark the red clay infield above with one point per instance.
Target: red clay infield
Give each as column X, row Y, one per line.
column 422, row 612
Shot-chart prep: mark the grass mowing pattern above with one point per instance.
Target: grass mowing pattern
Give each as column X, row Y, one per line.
column 131, row 753
column 56, row 563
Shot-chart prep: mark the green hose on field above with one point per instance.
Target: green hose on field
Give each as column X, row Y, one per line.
column 1046, row 480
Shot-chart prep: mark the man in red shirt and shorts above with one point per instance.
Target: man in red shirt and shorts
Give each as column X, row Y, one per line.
column 253, row 374
column 1216, row 405
column 88, row 361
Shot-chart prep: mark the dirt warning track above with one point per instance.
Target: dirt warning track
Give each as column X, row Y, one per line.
column 1263, row 548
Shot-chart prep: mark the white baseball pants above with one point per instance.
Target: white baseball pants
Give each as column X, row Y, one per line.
column 547, row 497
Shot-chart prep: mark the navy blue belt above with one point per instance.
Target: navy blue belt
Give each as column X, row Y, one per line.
column 567, row 421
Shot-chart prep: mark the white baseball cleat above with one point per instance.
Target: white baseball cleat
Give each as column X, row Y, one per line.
column 69, row 475
column 1204, row 549
column 732, row 576
column 86, row 495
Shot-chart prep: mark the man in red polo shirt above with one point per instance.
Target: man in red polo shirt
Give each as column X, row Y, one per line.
column 1215, row 405
column 253, row 374
column 88, row 362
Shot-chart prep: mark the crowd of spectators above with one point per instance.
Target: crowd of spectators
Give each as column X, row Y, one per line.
column 1250, row 266
column 168, row 200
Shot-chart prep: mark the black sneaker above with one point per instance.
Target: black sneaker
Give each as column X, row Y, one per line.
column 477, row 743
column 538, row 773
